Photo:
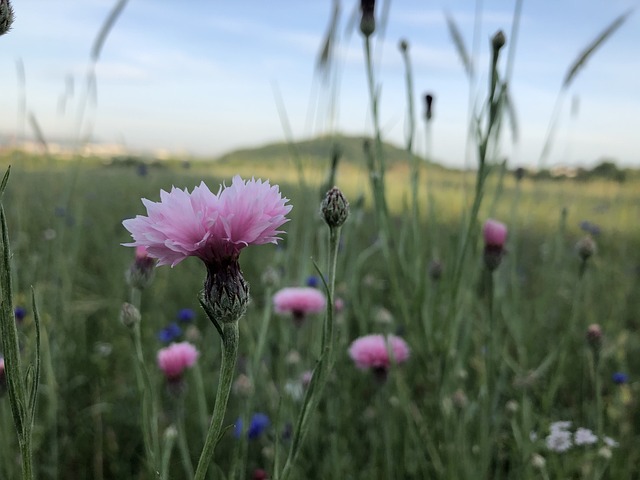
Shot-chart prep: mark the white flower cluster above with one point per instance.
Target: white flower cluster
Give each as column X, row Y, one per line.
column 561, row 438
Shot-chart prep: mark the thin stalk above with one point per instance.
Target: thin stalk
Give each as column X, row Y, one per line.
column 377, row 171
column 230, row 339
column 183, row 446
column 324, row 365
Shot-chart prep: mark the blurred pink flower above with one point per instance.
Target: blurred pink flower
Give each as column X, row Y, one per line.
column 175, row 358
column 371, row 352
column 141, row 252
column 213, row 227
column 494, row 233
column 299, row 301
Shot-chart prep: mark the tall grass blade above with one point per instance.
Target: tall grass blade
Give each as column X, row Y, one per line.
column 458, row 41
column 323, row 64
column 37, row 131
column 106, row 28
column 592, row 47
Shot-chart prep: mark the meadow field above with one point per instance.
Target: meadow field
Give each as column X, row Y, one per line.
column 354, row 310
column 430, row 418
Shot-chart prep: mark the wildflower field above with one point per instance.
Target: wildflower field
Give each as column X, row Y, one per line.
column 352, row 313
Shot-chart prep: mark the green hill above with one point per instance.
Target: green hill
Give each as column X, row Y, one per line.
column 313, row 152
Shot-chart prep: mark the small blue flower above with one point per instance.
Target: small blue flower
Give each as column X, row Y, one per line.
column 186, row 315
column 19, row 313
column 259, row 423
column 619, row 378
column 589, row 227
column 313, row 281
column 169, row 333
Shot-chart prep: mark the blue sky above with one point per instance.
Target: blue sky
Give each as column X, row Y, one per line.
column 199, row 77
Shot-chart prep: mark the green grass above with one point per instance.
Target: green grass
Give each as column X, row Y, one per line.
column 65, row 239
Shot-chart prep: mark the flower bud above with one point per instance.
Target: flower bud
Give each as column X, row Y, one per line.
column 368, row 20
column 226, row 293
column 586, row 247
column 129, row 315
column 428, row 103
column 141, row 271
column 403, row 46
column 435, row 270
column 335, row 208
column 498, row 41
column 538, row 461
column 6, row 16
column 594, row 336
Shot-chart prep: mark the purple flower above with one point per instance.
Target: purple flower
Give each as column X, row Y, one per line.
column 169, row 333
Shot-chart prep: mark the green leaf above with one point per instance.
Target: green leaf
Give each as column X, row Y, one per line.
column 35, row 381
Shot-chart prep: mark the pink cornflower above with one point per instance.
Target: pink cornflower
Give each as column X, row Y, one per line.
column 299, row 301
column 214, row 228
column 495, row 236
column 494, row 233
column 371, row 352
column 174, row 359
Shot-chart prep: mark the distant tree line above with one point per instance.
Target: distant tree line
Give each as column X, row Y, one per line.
column 605, row 170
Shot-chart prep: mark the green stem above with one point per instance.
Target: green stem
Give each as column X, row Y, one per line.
column 229, row 355
column 324, row 365
column 149, row 410
column 182, row 441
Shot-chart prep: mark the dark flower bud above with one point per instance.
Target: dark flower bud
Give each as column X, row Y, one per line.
column 226, row 293
column 368, row 20
column 586, row 247
column 428, row 102
column 403, row 46
column 498, row 41
column 6, row 16
column 435, row 269
column 594, row 336
column 335, row 208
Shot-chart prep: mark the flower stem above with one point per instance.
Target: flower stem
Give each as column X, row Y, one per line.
column 229, row 355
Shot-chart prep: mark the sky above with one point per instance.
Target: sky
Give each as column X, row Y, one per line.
column 205, row 77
